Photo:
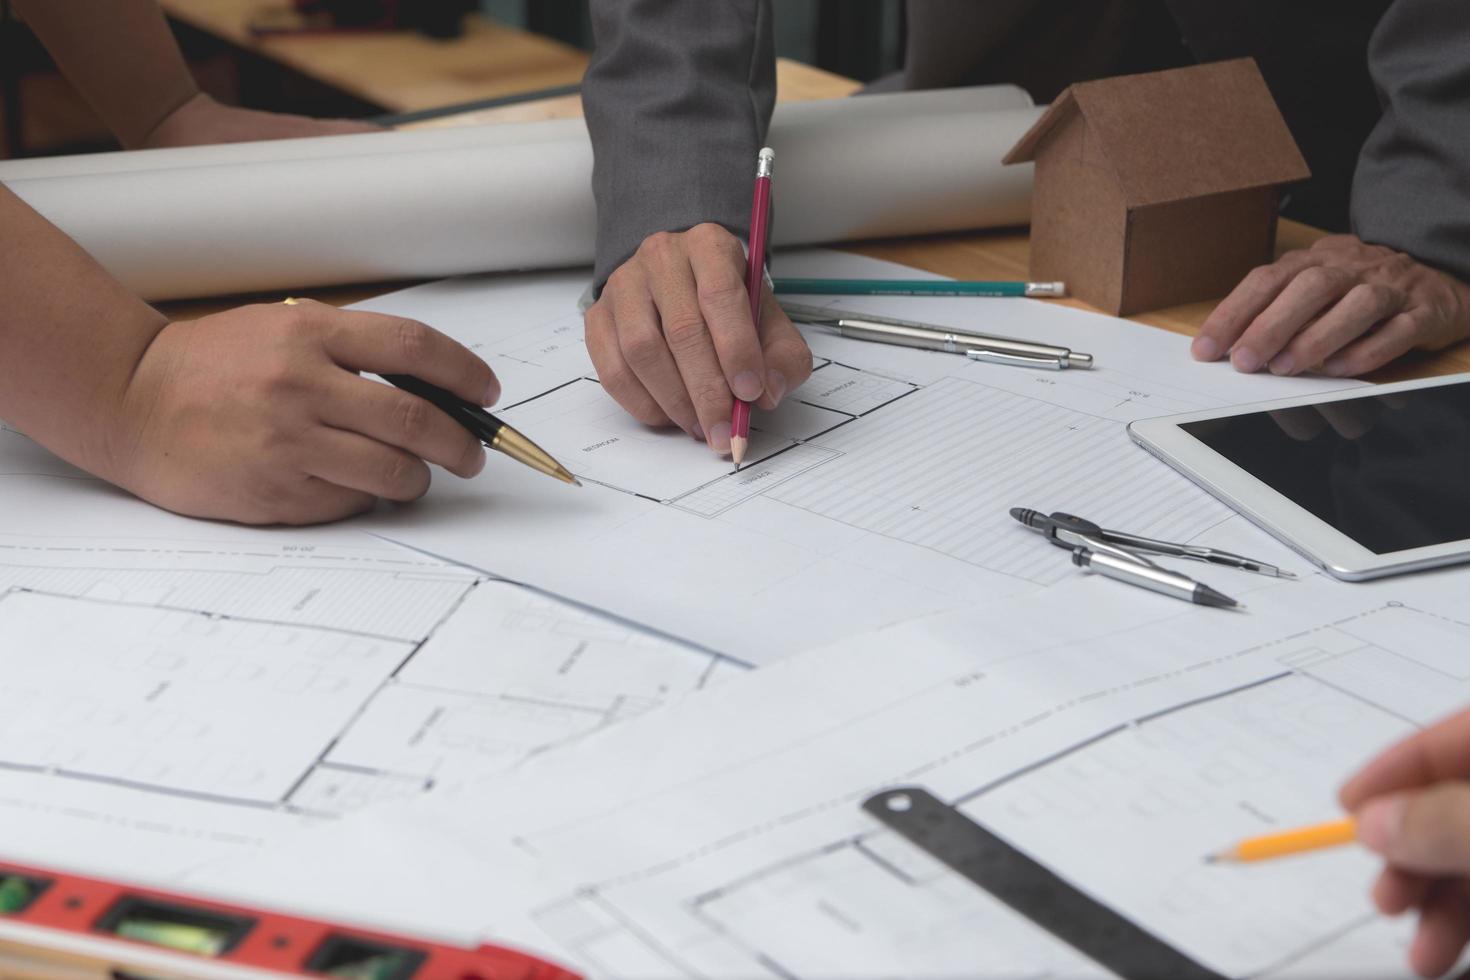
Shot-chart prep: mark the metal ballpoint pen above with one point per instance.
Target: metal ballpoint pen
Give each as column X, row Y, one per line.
column 1152, row 577
column 909, row 333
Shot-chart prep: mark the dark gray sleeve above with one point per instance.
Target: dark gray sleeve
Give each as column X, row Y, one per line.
column 678, row 99
column 1411, row 190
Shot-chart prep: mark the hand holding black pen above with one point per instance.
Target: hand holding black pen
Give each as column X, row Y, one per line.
column 485, row 427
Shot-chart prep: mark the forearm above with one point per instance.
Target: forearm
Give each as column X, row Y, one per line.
column 678, row 99
column 120, row 55
column 70, row 337
column 1410, row 191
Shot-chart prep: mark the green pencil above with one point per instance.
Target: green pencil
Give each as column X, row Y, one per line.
column 915, row 287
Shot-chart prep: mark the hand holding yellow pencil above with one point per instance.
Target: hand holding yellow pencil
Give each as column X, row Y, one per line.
column 1411, row 806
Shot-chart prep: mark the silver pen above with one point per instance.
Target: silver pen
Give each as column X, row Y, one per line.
column 926, row 336
column 1153, row 577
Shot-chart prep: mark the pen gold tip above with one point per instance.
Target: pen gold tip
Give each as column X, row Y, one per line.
column 523, row 450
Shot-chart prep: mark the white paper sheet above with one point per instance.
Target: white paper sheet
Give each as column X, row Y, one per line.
column 878, row 492
column 1114, row 736
column 294, row 214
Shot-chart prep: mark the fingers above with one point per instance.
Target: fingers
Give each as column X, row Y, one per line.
column 640, row 340
column 690, row 332
column 1441, row 751
column 787, row 357
column 356, row 462
column 395, row 345
column 1394, row 339
column 1308, row 293
column 1396, row 891
column 617, row 378
column 1444, row 928
column 1360, row 309
column 719, row 266
column 1425, row 831
column 396, row 418
column 1225, row 324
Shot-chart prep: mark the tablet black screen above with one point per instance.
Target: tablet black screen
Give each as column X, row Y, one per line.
column 1390, row 471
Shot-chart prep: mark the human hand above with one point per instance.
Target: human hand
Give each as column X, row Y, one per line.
column 673, row 341
column 1342, row 307
column 258, row 415
column 1413, row 808
column 202, row 120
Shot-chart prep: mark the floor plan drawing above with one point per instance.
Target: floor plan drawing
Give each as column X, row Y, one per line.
column 1126, row 812
column 185, row 689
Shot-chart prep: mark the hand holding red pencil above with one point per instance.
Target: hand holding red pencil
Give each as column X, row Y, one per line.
column 675, row 338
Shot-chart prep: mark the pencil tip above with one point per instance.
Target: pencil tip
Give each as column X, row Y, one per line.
column 737, row 450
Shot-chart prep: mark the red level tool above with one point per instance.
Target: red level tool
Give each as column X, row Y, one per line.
column 58, row 925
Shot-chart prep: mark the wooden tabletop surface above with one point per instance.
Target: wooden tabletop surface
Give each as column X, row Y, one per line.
column 402, row 71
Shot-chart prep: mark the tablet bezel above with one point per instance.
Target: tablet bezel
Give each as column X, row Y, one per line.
column 1296, row 527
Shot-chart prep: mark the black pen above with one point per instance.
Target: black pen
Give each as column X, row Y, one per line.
column 494, row 433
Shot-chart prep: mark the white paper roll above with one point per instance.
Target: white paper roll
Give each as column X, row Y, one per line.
column 295, row 214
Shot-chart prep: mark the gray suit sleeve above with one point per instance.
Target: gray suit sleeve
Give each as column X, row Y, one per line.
column 1411, row 190
column 678, row 99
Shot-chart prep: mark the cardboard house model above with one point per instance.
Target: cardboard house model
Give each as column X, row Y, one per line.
column 1158, row 189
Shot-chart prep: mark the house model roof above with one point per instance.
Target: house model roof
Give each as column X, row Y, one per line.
column 1179, row 134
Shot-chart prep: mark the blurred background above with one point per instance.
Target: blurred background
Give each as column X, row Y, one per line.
column 367, row 58
column 404, row 61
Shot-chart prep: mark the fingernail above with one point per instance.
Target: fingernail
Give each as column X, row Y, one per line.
column 1204, row 349
column 776, row 385
column 1381, row 821
column 719, row 437
column 747, row 386
column 1334, row 366
column 478, row 464
column 1245, row 360
column 492, row 393
column 1283, row 364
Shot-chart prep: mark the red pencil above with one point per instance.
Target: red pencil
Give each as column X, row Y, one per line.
column 760, row 212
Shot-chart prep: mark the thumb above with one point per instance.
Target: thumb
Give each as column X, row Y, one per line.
column 1427, row 830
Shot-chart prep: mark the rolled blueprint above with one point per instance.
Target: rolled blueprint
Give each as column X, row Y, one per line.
column 294, row 214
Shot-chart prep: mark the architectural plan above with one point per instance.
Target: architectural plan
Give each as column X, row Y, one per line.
column 1117, row 745
column 172, row 690
column 875, row 493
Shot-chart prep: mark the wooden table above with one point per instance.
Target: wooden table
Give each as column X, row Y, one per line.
column 999, row 254
column 401, row 71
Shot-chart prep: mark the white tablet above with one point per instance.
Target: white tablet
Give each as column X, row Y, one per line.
column 1364, row 482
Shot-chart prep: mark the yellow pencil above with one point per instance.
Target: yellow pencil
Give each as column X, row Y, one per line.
column 1263, row 848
